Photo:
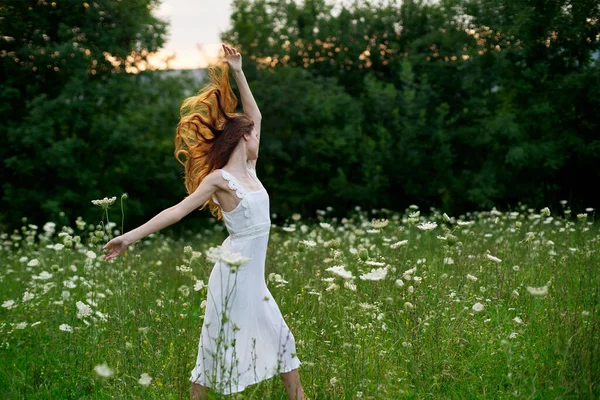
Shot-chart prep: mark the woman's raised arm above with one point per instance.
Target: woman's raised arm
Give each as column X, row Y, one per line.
column 165, row 218
column 234, row 59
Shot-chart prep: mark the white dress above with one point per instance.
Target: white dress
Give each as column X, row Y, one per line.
column 252, row 342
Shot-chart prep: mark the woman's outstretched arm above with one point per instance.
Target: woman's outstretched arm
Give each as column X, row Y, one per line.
column 165, row 218
column 234, row 59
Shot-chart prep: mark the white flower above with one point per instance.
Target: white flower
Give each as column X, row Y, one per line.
column 43, row 275
column 398, row 244
column 8, row 304
column 375, row 274
column 308, row 243
column 375, row 263
column 339, row 270
column 350, row 285
column 513, row 335
column 333, row 286
column 199, row 285
column 90, row 254
column 379, row 223
column 21, row 325
column 477, row 307
column 545, row 212
column 145, row 379
column 273, row 277
column 103, row 370
column 219, row 253
column 399, row 282
column 427, row 226
column 465, row 223
column 59, row 246
column 448, row 260
column 515, row 267
column 289, row 228
column 105, row 202
column 409, row 305
column 471, row 277
column 27, row 296
column 333, row 381
column 495, row 259
column 518, row 320
column 325, row 225
column 84, row 310
column 539, row 292
column 65, row 328
column 33, row 263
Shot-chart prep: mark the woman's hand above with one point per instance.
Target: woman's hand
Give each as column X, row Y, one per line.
column 234, row 58
column 115, row 247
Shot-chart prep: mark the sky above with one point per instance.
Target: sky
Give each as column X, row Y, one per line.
column 193, row 33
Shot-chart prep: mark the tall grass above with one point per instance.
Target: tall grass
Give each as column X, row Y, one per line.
column 488, row 305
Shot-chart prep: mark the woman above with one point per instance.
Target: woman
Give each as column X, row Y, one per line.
column 244, row 338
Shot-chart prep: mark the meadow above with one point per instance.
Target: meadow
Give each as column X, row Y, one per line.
column 383, row 305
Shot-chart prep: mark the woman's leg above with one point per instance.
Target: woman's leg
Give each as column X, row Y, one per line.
column 199, row 392
column 293, row 387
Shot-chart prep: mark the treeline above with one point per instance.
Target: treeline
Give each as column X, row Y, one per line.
column 460, row 105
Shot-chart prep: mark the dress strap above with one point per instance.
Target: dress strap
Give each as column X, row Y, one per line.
column 252, row 172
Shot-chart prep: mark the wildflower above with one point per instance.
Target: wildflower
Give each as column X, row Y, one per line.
column 545, row 212
column 325, row 225
column 471, row 277
column 8, row 304
column 448, row 260
column 90, row 254
column 21, row 325
column 350, row 285
column 339, row 270
column 289, row 228
column 219, row 253
column 518, row 320
column 408, row 305
column 199, row 285
column 296, row 216
column 65, row 328
column 145, row 379
column 398, row 244
column 375, row 274
column 465, row 223
column 27, row 296
column 273, row 277
column 84, row 310
column 42, row 276
column 399, row 282
column 105, row 202
column 477, row 307
column 538, row 292
column 427, row 226
column 308, row 243
column 58, row 246
column 333, row 286
column 445, row 217
column 495, row 259
column 582, row 216
column 33, row 263
column 103, row 370
column 375, row 263
column 379, row 223
column 333, row 381
column 513, row 335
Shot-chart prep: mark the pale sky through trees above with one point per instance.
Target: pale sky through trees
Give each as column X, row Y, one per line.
column 194, row 24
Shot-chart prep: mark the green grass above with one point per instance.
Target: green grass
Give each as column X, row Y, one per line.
column 365, row 343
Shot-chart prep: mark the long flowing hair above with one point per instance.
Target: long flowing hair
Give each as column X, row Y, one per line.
column 209, row 131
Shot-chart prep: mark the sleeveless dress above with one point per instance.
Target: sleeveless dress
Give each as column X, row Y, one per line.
column 244, row 337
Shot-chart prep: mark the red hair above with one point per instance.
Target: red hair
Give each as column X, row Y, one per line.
column 209, row 131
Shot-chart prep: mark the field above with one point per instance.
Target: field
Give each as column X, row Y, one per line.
column 383, row 305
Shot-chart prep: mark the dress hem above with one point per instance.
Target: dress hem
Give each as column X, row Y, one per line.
column 242, row 388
